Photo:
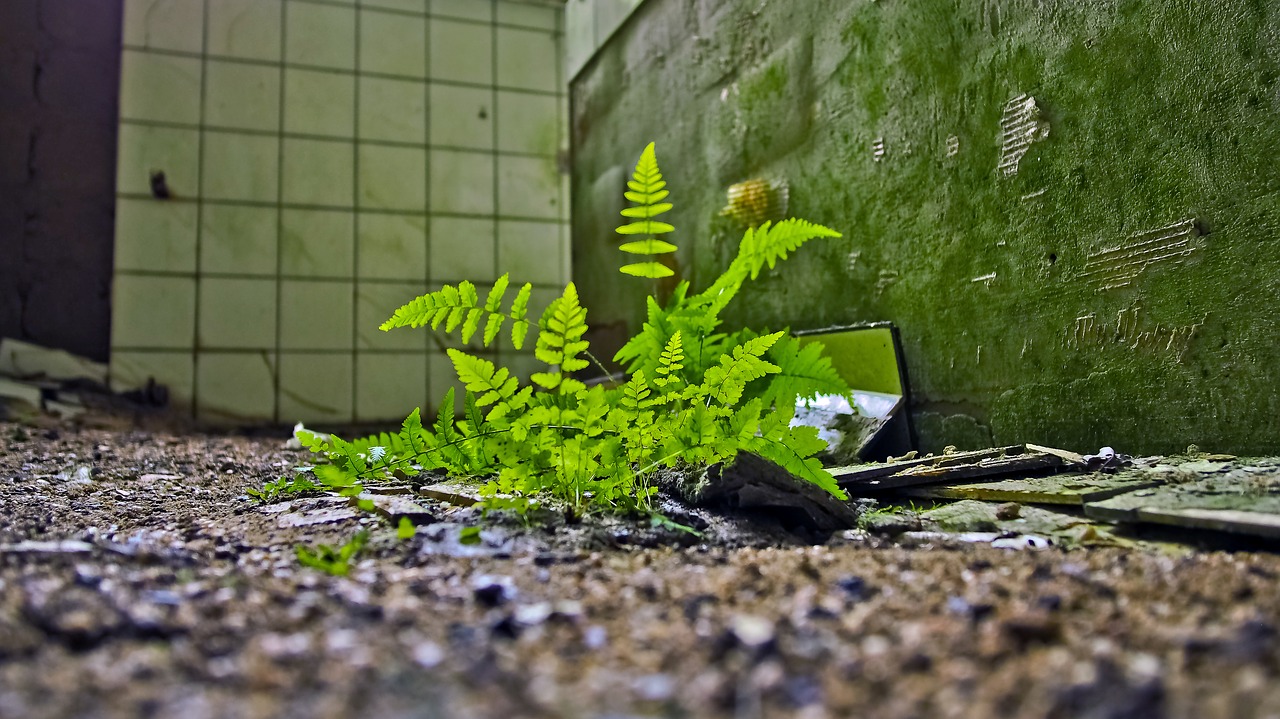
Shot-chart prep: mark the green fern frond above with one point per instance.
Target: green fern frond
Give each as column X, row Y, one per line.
column 793, row 449
column 760, row 246
column 670, row 362
column 560, row 342
column 804, row 371
column 725, row 382
column 459, row 305
column 647, row 192
column 492, row 385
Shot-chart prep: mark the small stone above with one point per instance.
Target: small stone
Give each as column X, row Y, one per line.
column 492, row 590
column 654, row 687
column 752, row 631
column 428, row 655
column 1009, row 510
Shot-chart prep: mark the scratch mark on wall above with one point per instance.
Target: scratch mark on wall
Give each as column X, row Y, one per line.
column 851, row 261
column 1034, row 195
column 877, row 149
column 986, row 279
column 953, row 146
column 1128, row 332
column 1119, row 266
column 887, row 279
column 1020, row 126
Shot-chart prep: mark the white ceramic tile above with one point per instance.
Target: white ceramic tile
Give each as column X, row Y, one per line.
column 461, row 52
column 315, row 388
column 160, row 88
column 174, row 370
column 317, row 243
column 316, row 315
column 236, row 386
column 318, row 172
column 237, row 313
column 461, row 182
column 164, row 24
column 241, row 167
column 528, row 123
column 145, row 150
column 392, row 178
column 153, row 311
column 393, row 44
column 377, row 301
column 320, row 35
column 417, row 7
column 532, row 251
column 242, row 96
column 442, row 376
column 238, row 239
column 389, row 385
column 522, row 364
column 462, row 248
column 393, row 110
column 528, row 187
column 156, row 235
column 461, row 116
column 248, row 29
column 466, row 9
column 392, row 247
column 528, row 59
column 319, row 103
column 541, row 17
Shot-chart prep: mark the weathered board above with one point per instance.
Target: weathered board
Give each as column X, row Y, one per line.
column 1239, row 500
column 944, row 469
column 1073, row 490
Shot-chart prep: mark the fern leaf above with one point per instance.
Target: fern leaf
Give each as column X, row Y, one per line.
column 803, row 371
column 560, row 342
column 670, row 362
column 479, row 375
column 648, row 193
column 651, row 270
column 793, row 450
column 726, row 381
column 519, row 312
column 651, row 246
column 459, row 306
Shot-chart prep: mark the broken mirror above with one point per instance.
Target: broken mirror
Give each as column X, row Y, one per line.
column 876, row 424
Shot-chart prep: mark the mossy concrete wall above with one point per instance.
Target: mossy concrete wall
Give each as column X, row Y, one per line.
column 1072, row 210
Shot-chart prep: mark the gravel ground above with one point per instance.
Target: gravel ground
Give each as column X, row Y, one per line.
column 181, row 598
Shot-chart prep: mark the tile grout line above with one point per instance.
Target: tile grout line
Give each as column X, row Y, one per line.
column 279, row 366
column 355, row 217
column 427, row 112
column 493, row 79
column 204, row 91
column 163, row 52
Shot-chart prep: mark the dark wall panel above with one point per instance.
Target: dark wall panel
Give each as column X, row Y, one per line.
column 59, row 84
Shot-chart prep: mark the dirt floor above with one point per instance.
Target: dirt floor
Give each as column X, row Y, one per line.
column 179, row 596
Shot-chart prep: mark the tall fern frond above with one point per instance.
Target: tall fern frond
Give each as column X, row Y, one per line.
column 760, row 246
column 459, row 305
column 560, row 342
column 647, row 192
column 492, row 385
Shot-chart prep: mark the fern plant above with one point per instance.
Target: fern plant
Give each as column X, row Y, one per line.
column 647, row 190
column 697, row 395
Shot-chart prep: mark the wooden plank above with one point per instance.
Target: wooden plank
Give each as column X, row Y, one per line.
column 1235, row 521
column 1030, row 463
column 859, row 473
column 1070, row 490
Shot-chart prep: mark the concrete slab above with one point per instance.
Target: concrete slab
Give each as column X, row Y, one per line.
column 1072, row 490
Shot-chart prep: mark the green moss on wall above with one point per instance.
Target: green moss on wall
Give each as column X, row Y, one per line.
column 1119, row 287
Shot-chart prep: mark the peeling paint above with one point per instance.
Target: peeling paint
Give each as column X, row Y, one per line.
column 953, row 146
column 1116, row 267
column 986, row 279
column 851, row 261
column 1020, row 126
column 877, row 149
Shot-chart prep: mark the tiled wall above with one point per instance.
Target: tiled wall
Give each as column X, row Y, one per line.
column 588, row 24
column 327, row 161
